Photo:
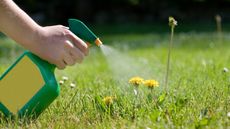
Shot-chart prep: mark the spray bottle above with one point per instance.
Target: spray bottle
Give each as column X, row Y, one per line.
column 29, row 86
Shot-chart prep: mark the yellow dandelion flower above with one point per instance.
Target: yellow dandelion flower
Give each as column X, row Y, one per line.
column 172, row 22
column 151, row 83
column 108, row 100
column 136, row 81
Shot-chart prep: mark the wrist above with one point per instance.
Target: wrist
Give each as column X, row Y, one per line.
column 35, row 39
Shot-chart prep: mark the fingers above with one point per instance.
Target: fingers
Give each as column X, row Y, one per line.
column 74, row 49
column 70, row 56
column 68, row 60
column 78, row 43
column 77, row 55
column 65, row 27
column 61, row 65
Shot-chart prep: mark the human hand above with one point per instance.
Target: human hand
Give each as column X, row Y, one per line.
column 55, row 44
column 59, row 46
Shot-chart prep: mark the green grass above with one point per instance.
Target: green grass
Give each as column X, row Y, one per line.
column 199, row 93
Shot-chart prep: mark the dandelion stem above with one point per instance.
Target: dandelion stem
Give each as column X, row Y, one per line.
column 219, row 26
column 169, row 56
column 135, row 103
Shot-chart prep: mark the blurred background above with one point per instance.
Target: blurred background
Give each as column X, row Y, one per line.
column 125, row 11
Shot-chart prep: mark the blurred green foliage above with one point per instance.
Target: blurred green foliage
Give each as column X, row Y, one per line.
column 125, row 11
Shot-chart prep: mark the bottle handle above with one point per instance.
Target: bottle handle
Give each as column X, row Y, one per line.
column 51, row 67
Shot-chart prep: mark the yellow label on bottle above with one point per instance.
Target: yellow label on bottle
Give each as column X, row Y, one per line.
column 20, row 84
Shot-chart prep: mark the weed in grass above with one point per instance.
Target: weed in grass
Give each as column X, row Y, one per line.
column 219, row 26
column 172, row 24
column 108, row 100
column 72, row 85
column 135, row 82
column 225, row 70
column 228, row 114
column 105, row 105
column 151, row 84
column 61, row 82
column 64, row 78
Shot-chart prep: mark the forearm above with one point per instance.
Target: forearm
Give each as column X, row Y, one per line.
column 56, row 44
column 16, row 24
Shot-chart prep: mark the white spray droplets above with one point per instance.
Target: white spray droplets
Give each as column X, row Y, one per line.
column 124, row 66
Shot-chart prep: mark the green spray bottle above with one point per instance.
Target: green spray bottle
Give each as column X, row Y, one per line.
column 29, row 86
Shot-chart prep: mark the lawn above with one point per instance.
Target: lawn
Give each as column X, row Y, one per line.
column 199, row 88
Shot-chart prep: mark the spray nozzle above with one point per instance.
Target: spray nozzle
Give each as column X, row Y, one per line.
column 83, row 32
column 98, row 42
